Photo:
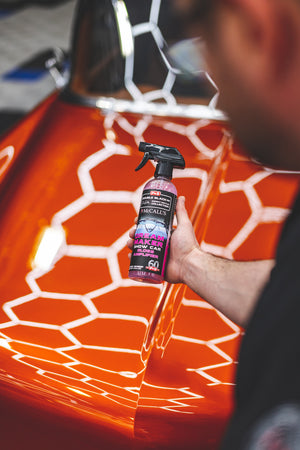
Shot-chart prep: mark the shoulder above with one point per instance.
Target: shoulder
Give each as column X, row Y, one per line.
column 278, row 428
column 290, row 238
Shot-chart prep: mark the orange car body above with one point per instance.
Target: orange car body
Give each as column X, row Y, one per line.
column 89, row 358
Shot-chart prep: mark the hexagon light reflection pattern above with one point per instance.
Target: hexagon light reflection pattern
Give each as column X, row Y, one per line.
column 79, row 341
column 73, row 336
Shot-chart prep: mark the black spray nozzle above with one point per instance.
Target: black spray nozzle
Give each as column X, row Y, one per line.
column 168, row 158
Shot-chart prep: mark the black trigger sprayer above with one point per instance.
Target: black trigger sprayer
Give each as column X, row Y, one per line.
column 155, row 221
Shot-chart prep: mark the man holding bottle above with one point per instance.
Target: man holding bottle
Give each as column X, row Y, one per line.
column 253, row 54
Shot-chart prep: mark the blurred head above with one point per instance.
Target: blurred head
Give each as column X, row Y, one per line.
column 253, row 54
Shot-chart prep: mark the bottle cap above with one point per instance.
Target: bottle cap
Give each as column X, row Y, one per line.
column 167, row 158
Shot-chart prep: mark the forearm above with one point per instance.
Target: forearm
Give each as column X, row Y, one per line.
column 232, row 287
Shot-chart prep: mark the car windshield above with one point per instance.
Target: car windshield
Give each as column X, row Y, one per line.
column 135, row 53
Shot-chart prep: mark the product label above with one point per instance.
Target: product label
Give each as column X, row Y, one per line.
column 152, row 234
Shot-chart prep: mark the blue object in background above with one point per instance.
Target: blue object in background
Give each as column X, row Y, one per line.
column 31, row 70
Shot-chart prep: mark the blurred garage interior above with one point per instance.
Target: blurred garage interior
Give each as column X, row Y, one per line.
column 31, row 32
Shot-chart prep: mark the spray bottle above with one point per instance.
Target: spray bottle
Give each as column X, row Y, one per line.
column 155, row 221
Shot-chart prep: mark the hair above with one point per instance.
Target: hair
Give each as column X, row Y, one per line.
column 194, row 14
column 195, row 10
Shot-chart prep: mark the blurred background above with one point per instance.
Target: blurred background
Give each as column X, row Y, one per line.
column 29, row 31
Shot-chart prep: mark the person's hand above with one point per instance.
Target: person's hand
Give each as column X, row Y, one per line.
column 183, row 243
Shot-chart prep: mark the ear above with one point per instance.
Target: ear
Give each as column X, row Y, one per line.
column 260, row 35
column 285, row 43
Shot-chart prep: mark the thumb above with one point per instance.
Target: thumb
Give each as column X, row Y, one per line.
column 181, row 212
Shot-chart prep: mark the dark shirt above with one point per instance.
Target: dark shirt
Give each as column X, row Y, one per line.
column 267, row 414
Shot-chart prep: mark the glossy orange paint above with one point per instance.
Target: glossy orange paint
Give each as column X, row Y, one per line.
column 87, row 354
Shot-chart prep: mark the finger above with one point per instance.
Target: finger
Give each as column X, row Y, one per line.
column 132, row 232
column 130, row 244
